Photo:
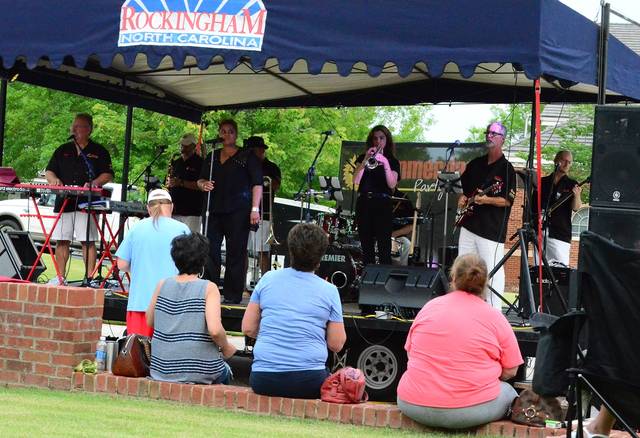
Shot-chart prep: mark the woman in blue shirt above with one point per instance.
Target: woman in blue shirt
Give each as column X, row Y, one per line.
column 295, row 317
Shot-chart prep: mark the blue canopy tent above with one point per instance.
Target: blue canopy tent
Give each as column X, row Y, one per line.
column 252, row 53
column 185, row 57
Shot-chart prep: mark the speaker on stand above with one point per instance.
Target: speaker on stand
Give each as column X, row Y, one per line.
column 18, row 255
column 614, row 211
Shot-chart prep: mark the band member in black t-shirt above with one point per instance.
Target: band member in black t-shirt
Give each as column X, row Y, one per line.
column 489, row 186
column 182, row 182
column 257, row 239
column 234, row 176
column 376, row 184
column 557, row 241
column 80, row 162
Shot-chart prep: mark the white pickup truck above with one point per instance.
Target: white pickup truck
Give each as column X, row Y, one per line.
column 19, row 213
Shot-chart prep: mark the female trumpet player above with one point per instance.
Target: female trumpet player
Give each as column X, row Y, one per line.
column 377, row 175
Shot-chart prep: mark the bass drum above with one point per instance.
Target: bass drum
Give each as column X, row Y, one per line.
column 341, row 267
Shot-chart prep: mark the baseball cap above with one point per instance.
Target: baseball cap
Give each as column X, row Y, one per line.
column 255, row 141
column 188, row 139
column 158, row 194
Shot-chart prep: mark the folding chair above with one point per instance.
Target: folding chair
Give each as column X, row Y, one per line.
column 609, row 290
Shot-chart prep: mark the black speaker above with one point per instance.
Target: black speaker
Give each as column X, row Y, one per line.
column 619, row 225
column 552, row 302
column 401, row 290
column 615, row 174
column 18, row 255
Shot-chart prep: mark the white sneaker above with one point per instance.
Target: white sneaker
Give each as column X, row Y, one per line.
column 55, row 281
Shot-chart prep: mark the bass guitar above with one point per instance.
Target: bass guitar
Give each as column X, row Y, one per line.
column 561, row 201
column 467, row 210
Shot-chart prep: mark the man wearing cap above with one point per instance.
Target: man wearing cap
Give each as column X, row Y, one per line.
column 182, row 178
column 257, row 239
column 489, row 186
column 145, row 252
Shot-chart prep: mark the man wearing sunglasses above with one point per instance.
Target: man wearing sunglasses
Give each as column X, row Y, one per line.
column 489, row 188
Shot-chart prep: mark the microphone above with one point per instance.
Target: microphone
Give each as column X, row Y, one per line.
column 329, row 132
column 71, row 137
column 213, row 141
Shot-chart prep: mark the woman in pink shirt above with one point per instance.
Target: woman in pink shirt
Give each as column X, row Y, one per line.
column 461, row 350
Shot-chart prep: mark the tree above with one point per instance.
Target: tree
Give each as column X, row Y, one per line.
column 38, row 121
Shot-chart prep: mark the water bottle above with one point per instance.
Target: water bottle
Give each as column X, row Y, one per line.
column 101, row 354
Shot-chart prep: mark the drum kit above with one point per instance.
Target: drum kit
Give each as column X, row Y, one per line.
column 342, row 263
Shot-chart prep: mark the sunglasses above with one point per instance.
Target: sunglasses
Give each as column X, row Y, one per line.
column 493, row 134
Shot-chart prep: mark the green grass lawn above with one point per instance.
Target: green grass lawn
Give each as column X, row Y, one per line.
column 75, row 269
column 28, row 412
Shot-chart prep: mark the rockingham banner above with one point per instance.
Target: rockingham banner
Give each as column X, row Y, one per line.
column 219, row 24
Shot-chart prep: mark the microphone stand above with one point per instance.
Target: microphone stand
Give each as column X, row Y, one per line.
column 89, row 170
column 308, row 181
column 147, row 170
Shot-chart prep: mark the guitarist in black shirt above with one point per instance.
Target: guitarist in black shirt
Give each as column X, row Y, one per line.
column 489, row 186
column 557, row 187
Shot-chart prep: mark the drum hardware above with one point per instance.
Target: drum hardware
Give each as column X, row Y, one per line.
column 415, row 223
column 448, row 182
column 267, row 189
column 396, row 248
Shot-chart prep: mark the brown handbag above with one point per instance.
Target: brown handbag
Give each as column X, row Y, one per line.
column 134, row 358
column 347, row 385
column 532, row 409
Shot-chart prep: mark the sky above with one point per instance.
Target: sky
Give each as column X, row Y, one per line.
column 452, row 123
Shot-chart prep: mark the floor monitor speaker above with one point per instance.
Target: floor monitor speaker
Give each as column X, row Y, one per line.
column 18, row 255
column 400, row 290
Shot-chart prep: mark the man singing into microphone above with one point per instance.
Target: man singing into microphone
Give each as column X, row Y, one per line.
column 182, row 182
column 556, row 186
column 489, row 186
column 80, row 162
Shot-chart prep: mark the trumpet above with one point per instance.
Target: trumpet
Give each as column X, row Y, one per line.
column 371, row 162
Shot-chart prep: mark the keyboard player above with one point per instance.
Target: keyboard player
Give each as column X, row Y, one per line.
column 80, row 162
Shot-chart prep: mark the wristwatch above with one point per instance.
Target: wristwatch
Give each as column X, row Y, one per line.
column 255, row 210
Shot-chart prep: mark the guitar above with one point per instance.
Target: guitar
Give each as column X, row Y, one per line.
column 561, row 201
column 467, row 210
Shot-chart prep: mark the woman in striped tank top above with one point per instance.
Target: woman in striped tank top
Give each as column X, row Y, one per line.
column 189, row 343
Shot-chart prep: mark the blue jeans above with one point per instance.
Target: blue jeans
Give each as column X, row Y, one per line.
column 293, row 384
column 226, row 375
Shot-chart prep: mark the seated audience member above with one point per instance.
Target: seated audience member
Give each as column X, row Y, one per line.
column 189, row 343
column 145, row 253
column 294, row 316
column 460, row 353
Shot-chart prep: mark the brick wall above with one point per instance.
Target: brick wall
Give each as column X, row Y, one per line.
column 238, row 398
column 45, row 331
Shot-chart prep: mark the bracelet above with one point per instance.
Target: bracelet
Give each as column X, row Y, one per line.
column 255, row 210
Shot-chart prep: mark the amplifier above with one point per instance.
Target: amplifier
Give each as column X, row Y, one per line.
column 551, row 301
column 401, row 290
